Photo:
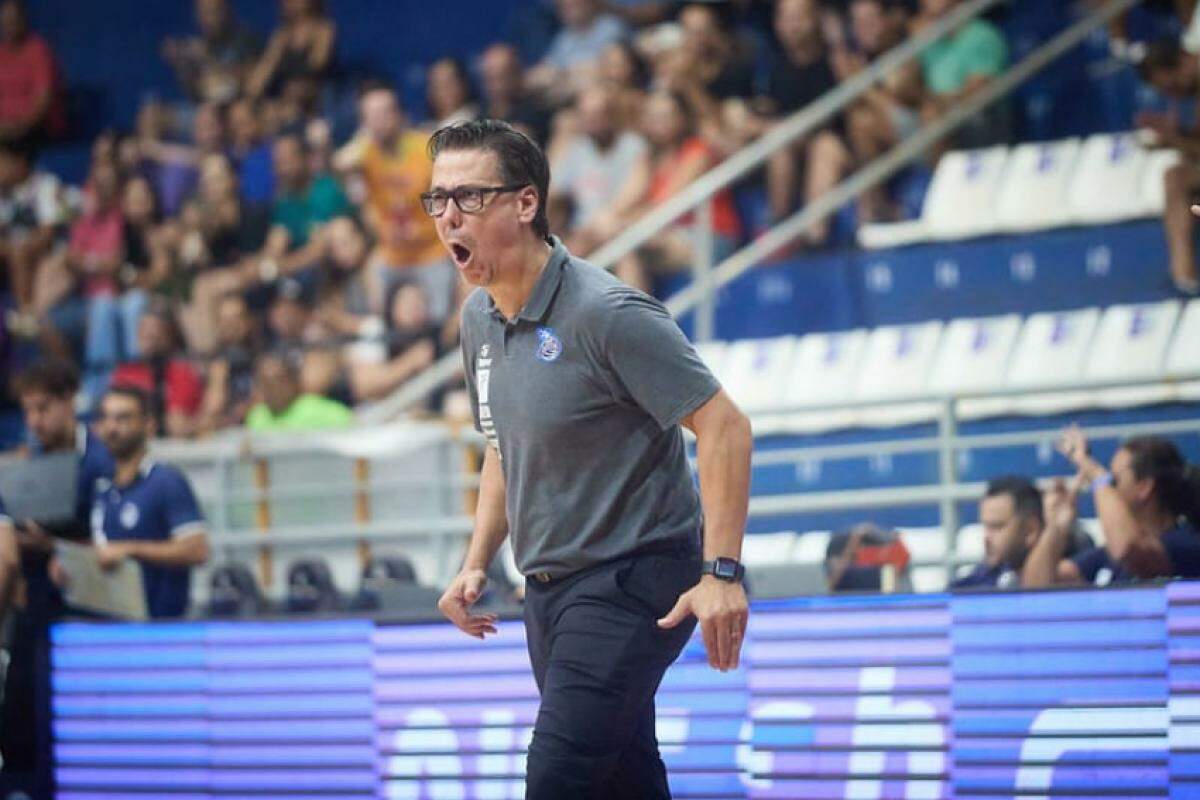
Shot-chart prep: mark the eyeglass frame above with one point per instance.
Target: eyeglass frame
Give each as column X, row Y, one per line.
column 427, row 198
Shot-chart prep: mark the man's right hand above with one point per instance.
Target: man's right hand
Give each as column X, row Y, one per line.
column 462, row 593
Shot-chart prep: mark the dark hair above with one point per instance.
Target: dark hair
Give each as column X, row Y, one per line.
column 641, row 70
column 285, row 359
column 1176, row 484
column 1026, row 499
column 135, row 393
column 460, row 72
column 375, row 85
column 293, row 136
column 1163, row 54
column 521, row 160
column 55, row 377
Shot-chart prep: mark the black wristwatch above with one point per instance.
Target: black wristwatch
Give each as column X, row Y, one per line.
column 725, row 569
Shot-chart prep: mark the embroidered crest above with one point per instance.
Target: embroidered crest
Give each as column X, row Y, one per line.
column 129, row 515
column 549, row 346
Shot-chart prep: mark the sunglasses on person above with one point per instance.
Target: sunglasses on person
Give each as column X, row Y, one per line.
column 469, row 199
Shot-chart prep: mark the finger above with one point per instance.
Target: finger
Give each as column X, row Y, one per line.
column 709, row 628
column 724, row 642
column 678, row 613
column 473, row 588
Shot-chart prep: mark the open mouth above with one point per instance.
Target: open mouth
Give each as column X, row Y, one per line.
column 461, row 253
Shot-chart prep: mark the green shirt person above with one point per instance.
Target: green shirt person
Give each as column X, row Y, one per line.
column 303, row 201
column 284, row 407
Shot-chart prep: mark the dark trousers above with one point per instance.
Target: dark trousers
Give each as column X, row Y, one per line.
column 598, row 657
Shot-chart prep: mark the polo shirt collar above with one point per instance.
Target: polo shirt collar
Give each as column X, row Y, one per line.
column 538, row 304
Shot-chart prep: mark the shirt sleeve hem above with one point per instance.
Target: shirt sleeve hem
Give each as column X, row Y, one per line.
column 188, row 529
column 693, row 402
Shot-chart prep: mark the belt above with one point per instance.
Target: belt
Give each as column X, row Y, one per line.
column 678, row 546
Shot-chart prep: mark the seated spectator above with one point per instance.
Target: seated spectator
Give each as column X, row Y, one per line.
column 594, row 176
column 165, row 533
column 395, row 169
column 284, row 408
column 299, row 53
column 1011, row 516
column 800, row 72
column 575, row 50
column 149, row 244
column 711, row 65
column 449, row 94
column 505, row 96
column 175, row 388
column 410, row 343
column 250, row 152
column 1149, row 508
column 960, row 64
column 350, row 301
column 212, row 67
column 229, row 382
column 304, row 202
column 624, row 72
column 31, row 107
column 33, row 210
column 173, row 168
column 294, row 331
column 890, row 111
column 678, row 157
column 1168, row 70
column 867, row 558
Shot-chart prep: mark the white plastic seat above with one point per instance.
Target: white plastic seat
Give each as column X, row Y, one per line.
column 824, row 369
column 897, row 362
column 974, row 357
column 962, row 196
column 879, row 235
column 1131, row 344
column 1183, row 356
column 1153, row 188
column 928, row 579
column 752, row 371
column 766, row 549
column 1033, row 194
column 925, row 545
column 968, row 545
column 1107, row 185
column 1052, row 350
column 810, row 547
column 713, row 354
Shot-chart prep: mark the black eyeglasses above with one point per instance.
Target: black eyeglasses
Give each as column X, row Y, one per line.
column 469, row 199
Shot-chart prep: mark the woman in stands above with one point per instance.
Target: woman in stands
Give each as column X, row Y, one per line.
column 299, row 51
column 1148, row 502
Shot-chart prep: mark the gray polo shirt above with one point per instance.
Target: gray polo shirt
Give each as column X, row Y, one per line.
column 581, row 394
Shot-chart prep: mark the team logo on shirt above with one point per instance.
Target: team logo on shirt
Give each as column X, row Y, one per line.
column 129, row 516
column 549, row 346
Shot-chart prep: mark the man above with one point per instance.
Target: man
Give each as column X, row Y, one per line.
column 580, row 383
column 395, row 170
column 146, row 511
column 30, row 106
column 230, row 379
column 502, row 81
column 1011, row 515
column 595, row 170
column 175, row 388
column 284, row 407
column 586, row 31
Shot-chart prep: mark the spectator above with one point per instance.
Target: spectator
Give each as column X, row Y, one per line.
column 175, row 389
column 294, row 332
column 173, row 168
column 449, row 94
column 678, row 157
column 411, row 343
column 1149, row 508
column 960, row 64
column 229, row 384
column 1168, row 70
column 30, row 102
column 147, row 512
column 595, row 175
column 396, row 168
column 303, row 204
column 148, row 245
column 33, row 209
column 298, row 54
column 710, row 66
column 800, row 72
column 212, row 67
column 625, row 73
column 283, row 407
column 350, row 302
column 575, row 50
column 504, row 93
column 1011, row 516
column 889, row 111
column 250, row 152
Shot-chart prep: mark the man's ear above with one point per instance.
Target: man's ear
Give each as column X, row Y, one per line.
column 528, row 204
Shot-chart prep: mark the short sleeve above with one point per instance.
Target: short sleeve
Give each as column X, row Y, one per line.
column 653, row 361
column 180, row 508
column 988, row 54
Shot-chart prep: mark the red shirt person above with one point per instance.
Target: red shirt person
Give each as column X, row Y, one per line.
column 175, row 387
column 30, row 104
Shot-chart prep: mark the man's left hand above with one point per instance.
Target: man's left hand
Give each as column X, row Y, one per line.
column 111, row 554
column 722, row 610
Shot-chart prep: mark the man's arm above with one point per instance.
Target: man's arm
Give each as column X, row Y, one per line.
column 723, row 445
column 491, row 526
column 1045, row 565
column 189, row 550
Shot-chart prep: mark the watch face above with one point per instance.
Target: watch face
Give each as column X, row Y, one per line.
column 725, row 568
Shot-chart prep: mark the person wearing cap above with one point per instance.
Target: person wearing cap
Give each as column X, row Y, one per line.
column 581, row 386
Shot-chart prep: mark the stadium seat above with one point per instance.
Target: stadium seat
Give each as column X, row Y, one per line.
column 1033, row 193
column 968, row 545
column 962, row 198
column 925, row 545
column 928, row 579
column 378, row 576
column 810, row 547
column 234, row 592
column 1131, row 343
column 974, row 357
column 1183, row 356
column 1052, row 350
column 751, row 376
column 1153, row 189
column 823, row 371
column 768, row 548
column 310, row 587
column 1106, row 186
column 897, row 362
column 767, row 581
column 880, row 235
